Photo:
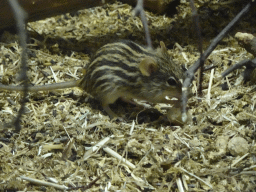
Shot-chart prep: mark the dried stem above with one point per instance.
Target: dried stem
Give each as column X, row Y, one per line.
column 236, row 66
column 140, row 11
column 84, row 188
column 200, row 44
column 191, row 71
column 20, row 17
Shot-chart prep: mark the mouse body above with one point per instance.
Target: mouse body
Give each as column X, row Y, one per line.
column 127, row 70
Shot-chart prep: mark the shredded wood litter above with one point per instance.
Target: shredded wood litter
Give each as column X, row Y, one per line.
column 68, row 141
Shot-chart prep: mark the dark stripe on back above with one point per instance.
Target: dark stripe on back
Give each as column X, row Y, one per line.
column 114, row 54
column 121, row 48
column 133, row 46
column 137, row 48
column 119, row 63
column 124, row 78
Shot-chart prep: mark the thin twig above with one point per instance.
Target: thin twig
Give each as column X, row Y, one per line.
column 198, row 178
column 234, row 67
column 119, row 157
column 44, row 183
column 191, row 71
column 94, row 149
column 20, row 17
column 200, row 44
column 240, row 159
column 83, row 188
column 248, row 42
column 138, row 10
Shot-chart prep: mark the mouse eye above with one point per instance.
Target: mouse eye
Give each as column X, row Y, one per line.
column 171, row 81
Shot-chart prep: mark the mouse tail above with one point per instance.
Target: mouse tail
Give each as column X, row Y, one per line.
column 49, row 87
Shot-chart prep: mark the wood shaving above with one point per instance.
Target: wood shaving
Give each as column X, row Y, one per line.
column 160, row 157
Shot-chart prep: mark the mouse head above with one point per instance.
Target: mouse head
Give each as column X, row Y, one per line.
column 162, row 77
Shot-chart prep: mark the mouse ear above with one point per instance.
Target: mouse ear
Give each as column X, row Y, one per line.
column 148, row 66
column 163, row 48
column 84, row 71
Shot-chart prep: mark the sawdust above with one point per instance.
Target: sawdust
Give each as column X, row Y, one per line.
column 66, row 136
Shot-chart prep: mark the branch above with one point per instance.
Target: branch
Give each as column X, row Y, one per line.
column 138, row 10
column 200, row 44
column 191, row 71
column 20, row 17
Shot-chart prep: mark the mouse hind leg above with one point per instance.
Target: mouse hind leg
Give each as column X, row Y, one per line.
column 106, row 101
column 109, row 111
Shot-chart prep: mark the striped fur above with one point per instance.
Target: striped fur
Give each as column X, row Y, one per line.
column 114, row 72
column 125, row 69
